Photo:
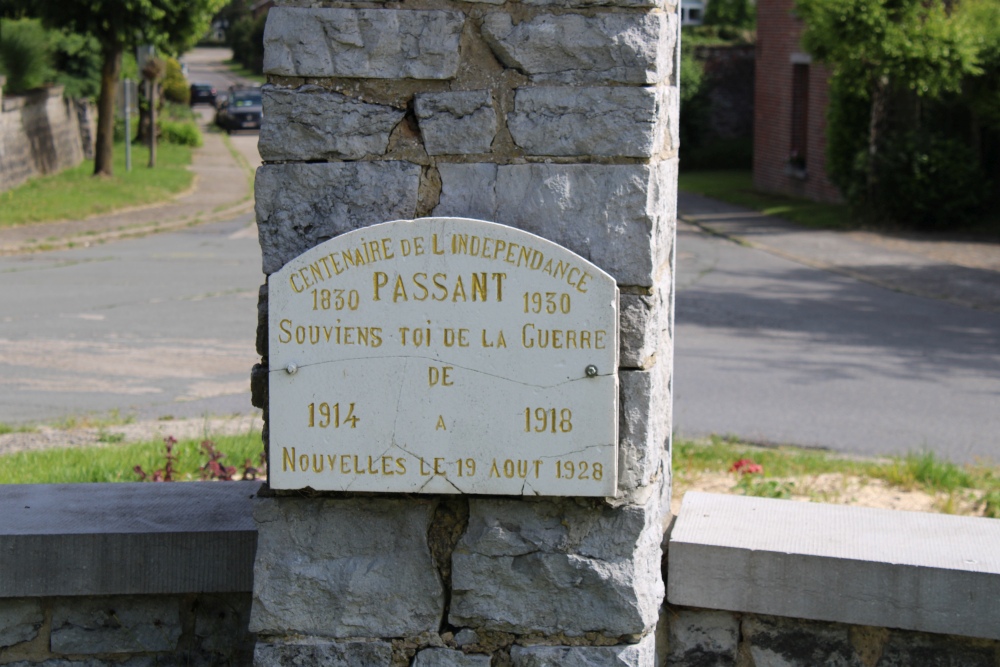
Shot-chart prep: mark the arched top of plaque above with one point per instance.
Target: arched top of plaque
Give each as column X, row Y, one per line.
column 443, row 355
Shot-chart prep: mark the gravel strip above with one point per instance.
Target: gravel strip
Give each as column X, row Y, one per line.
column 48, row 437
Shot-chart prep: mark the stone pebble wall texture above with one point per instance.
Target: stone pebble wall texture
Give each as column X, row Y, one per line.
column 41, row 133
column 558, row 117
column 699, row 637
column 128, row 630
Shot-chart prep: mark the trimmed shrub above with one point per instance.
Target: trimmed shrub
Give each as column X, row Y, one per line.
column 183, row 133
column 929, row 181
column 175, row 86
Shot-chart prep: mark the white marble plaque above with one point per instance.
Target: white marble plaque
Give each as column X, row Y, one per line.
column 443, row 355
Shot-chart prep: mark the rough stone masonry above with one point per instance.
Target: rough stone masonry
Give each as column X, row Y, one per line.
column 558, row 117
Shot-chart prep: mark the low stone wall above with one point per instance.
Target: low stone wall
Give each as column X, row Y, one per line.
column 126, row 574
column 161, row 574
column 41, row 133
column 701, row 637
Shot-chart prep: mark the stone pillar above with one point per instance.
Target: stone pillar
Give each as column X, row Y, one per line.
column 558, row 117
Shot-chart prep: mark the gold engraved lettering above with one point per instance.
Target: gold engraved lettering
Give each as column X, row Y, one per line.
column 287, row 459
column 358, row 470
column 386, row 249
column 442, row 376
column 424, row 470
column 436, row 250
column 399, row 291
column 295, row 288
column 453, row 337
column 494, row 471
column 498, row 343
column 386, row 465
column 376, row 251
column 372, row 470
column 419, row 281
column 459, row 290
column 559, row 339
column 440, row 425
column 379, row 280
column 440, row 286
column 405, row 247
column 345, row 465
column 418, row 245
column 401, row 464
column 438, row 470
column 305, row 276
column 303, row 462
column 466, row 467
column 317, row 462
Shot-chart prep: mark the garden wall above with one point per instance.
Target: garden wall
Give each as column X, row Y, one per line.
column 41, row 133
column 161, row 574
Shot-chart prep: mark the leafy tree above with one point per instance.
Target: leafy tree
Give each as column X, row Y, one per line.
column 881, row 50
column 25, row 55
column 170, row 25
column 732, row 13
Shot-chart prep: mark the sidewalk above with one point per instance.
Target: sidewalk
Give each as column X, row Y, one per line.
column 221, row 190
column 962, row 272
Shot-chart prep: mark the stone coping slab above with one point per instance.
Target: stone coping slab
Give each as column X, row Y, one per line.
column 908, row 570
column 110, row 539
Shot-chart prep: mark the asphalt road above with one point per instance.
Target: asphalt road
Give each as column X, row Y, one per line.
column 152, row 327
column 777, row 352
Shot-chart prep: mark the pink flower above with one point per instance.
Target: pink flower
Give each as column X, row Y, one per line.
column 746, row 467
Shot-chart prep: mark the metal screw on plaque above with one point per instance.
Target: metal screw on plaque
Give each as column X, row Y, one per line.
column 591, row 371
column 291, row 369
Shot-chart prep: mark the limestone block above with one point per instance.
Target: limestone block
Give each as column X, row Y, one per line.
column 302, row 205
column 610, row 121
column 220, row 623
column 327, row 654
column 456, row 122
column 570, row 48
column 793, row 642
column 645, row 328
column 443, row 657
column 119, row 624
column 468, row 191
column 904, row 649
column 19, row 620
column 558, row 566
column 644, row 426
column 627, row 655
column 699, row 637
column 311, row 123
column 612, row 215
column 596, row 3
column 362, row 43
column 345, row 568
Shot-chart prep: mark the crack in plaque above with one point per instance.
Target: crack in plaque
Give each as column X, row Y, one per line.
column 445, row 361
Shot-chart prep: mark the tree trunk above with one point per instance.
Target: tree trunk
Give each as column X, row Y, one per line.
column 875, row 123
column 105, row 144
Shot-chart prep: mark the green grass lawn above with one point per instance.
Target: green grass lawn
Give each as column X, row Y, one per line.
column 116, row 462
column 787, row 471
column 783, row 471
column 736, row 187
column 242, row 72
column 74, row 193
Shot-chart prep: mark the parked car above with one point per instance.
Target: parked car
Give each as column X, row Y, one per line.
column 202, row 93
column 242, row 111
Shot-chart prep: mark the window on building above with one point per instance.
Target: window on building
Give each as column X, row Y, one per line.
column 800, row 116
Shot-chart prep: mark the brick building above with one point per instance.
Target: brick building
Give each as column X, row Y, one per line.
column 790, row 100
